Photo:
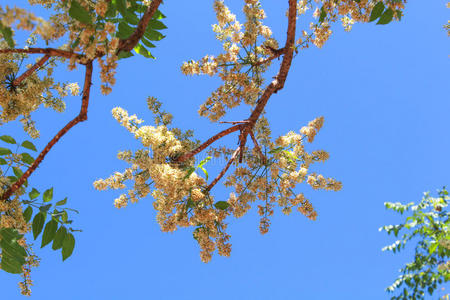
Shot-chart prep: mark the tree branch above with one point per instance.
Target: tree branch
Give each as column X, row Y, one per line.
column 47, row 51
column 82, row 116
column 275, row 53
column 208, row 142
column 224, row 170
column 278, row 83
column 129, row 43
column 31, row 70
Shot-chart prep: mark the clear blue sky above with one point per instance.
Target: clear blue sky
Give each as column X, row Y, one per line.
column 384, row 92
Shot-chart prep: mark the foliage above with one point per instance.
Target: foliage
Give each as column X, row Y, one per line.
column 16, row 217
column 88, row 34
column 427, row 225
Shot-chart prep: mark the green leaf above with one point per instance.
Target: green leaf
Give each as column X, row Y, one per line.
column 222, row 205
column 376, row 11
column 17, row 171
column 158, row 15
column 45, row 208
column 12, row 179
column 38, row 224
column 13, row 249
column 8, row 139
column 68, row 245
column 203, row 162
column 49, row 232
column 155, row 24
column 111, row 12
column 121, row 7
column 386, row 17
column 124, row 31
column 142, row 51
column 124, row 54
column 10, row 235
column 28, row 213
column 64, row 216
column 5, row 151
column 433, row 247
column 131, row 18
column 27, row 158
column 206, row 172
column 147, row 42
column 61, row 202
column 7, row 35
column 2, row 161
column 323, row 14
column 11, row 265
column 276, row 150
column 59, row 238
column 33, row 194
column 13, row 255
column 48, row 195
column 79, row 13
column 29, row 145
column 189, row 172
column 153, row 35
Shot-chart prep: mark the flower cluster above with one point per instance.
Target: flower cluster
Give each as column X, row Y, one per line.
column 87, row 39
column 21, row 99
column 182, row 197
column 273, row 181
column 246, row 48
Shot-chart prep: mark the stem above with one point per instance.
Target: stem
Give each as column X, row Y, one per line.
column 82, row 116
column 224, row 170
column 129, row 43
column 31, row 70
column 209, row 142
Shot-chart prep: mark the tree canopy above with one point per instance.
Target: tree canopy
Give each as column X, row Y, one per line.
column 262, row 171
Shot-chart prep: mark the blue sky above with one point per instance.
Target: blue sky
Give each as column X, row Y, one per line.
column 384, row 93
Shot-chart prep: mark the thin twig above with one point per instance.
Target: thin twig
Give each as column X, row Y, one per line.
column 258, row 149
column 31, row 70
column 82, row 116
column 275, row 54
column 234, row 122
column 224, row 170
column 209, row 142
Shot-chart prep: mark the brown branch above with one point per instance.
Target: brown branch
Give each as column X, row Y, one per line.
column 278, row 83
column 211, row 140
column 31, row 70
column 82, row 116
column 234, row 122
column 275, row 54
column 129, row 43
column 258, row 149
column 47, row 51
column 125, row 45
column 224, row 170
